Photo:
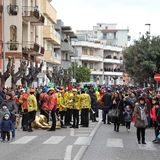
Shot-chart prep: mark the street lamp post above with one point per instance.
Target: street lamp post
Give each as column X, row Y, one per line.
column 148, row 24
column 4, row 52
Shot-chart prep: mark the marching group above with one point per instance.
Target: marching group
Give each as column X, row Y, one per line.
column 120, row 105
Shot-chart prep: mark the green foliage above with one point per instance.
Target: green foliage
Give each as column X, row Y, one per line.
column 141, row 59
column 82, row 73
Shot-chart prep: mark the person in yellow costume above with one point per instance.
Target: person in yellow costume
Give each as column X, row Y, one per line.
column 98, row 100
column 32, row 108
column 85, row 104
column 69, row 105
column 62, row 108
column 76, row 108
column 97, row 94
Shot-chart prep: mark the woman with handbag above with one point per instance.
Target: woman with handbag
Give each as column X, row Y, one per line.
column 116, row 110
column 140, row 112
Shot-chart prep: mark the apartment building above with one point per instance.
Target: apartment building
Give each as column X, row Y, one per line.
column 100, row 50
column 66, row 49
column 29, row 31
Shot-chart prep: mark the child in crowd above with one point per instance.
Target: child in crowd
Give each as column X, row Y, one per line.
column 128, row 117
column 6, row 127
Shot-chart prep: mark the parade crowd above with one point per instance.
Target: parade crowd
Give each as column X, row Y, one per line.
column 74, row 106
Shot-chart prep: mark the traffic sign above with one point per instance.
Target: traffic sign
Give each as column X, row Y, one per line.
column 157, row 77
column 51, row 84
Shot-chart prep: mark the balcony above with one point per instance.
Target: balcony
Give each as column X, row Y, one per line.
column 12, row 10
column 49, row 11
column 31, row 48
column 96, row 58
column 113, row 73
column 67, row 47
column 51, row 35
column 12, row 46
column 31, row 14
column 49, row 56
column 96, row 71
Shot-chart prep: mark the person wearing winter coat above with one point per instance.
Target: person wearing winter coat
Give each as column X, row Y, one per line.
column 128, row 117
column 6, row 127
column 12, row 109
column 117, row 103
column 141, row 112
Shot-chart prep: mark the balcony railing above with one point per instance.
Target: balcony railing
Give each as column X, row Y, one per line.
column 12, row 45
column 12, row 10
column 32, row 15
column 30, row 46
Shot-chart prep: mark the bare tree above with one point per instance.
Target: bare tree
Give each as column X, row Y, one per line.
column 21, row 70
column 6, row 74
column 33, row 72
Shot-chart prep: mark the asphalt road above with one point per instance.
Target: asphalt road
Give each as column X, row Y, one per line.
column 97, row 142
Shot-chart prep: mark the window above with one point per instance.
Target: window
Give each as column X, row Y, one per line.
column 85, row 51
column 12, row 8
column 13, row 33
column 104, row 35
column 115, row 35
column 85, row 64
column 91, row 65
column 91, row 52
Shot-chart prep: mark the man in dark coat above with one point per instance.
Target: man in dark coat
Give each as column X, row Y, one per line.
column 106, row 99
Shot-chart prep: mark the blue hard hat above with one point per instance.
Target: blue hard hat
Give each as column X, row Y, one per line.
column 45, row 89
column 158, row 136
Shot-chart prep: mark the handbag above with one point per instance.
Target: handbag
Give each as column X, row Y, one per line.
column 139, row 124
column 114, row 113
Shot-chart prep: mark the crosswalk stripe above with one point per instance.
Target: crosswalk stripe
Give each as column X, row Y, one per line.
column 24, row 140
column 83, row 141
column 68, row 152
column 111, row 142
column 82, row 135
column 54, row 140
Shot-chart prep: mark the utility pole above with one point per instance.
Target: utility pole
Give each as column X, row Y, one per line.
column 4, row 42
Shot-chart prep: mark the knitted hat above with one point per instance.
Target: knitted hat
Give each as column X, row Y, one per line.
column 27, row 88
column 74, row 90
column 69, row 88
column 45, row 89
column 50, row 89
column 6, row 115
column 32, row 90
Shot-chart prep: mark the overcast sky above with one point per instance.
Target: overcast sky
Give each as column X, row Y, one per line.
column 84, row 14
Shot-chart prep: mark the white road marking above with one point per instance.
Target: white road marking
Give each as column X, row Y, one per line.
column 83, row 141
column 83, row 131
column 81, row 135
column 111, row 142
column 95, row 128
column 68, row 152
column 54, row 140
column 80, row 153
column 23, row 140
